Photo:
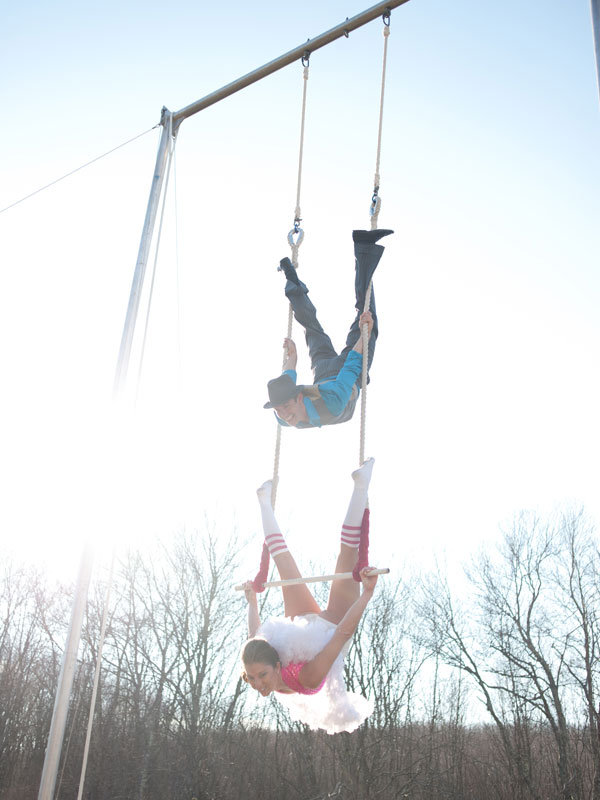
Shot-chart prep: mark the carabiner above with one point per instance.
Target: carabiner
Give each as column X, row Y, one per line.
column 375, row 205
column 296, row 231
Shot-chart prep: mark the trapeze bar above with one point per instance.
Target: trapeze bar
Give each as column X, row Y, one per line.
column 343, row 29
column 338, row 576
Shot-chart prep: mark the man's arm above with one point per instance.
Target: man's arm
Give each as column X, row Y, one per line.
column 291, row 355
column 289, row 366
column 336, row 392
column 365, row 319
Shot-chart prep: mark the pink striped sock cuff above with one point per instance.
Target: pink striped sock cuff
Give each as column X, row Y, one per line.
column 276, row 544
column 350, row 535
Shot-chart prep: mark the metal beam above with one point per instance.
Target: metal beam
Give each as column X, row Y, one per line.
column 343, row 29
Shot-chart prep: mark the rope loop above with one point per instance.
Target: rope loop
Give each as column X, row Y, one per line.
column 374, row 210
column 296, row 231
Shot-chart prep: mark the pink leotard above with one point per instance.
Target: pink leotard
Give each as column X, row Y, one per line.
column 289, row 675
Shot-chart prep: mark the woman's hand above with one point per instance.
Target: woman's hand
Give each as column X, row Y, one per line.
column 368, row 581
column 250, row 593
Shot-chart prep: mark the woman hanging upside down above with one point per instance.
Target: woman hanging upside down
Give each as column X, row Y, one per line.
column 301, row 657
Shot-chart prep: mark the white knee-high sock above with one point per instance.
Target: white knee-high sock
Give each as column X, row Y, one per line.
column 273, row 538
column 350, row 535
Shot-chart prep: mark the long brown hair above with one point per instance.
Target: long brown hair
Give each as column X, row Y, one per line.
column 259, row 651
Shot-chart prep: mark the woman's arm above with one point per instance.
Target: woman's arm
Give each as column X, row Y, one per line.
column 253, row 615
column 314, row 671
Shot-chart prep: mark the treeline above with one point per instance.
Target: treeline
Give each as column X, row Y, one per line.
column 490, row 691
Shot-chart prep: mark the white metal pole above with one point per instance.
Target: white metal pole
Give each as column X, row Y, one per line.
column 88, row 735
column 65, row 680
column 143, row 252
column 61, row 703
column 595, row 7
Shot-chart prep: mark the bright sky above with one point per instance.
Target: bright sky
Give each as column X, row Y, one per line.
column 485, row 389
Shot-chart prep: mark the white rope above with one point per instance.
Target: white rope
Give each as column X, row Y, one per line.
column 376, row 200
column 374, row 212
column 295, row 245
column 178, row 282
column 301, row 154
column 363, row 393
column 151, row 292
column 88, row 736
column 278, row 436
column 297, row 230
column 77, row 169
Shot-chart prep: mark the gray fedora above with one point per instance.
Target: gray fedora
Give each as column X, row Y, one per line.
column 281, row 390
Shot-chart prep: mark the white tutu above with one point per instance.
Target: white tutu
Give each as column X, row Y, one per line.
column 333, row 709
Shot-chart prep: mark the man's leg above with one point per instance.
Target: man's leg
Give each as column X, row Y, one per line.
column 319, row 344
column 367, row 255
column 297, row 599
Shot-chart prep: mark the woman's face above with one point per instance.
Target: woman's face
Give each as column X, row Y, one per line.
column 262, row 677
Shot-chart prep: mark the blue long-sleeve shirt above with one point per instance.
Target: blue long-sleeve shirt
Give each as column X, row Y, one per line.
column 335, row 392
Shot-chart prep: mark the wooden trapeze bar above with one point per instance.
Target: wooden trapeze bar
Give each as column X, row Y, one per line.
column 338, row 576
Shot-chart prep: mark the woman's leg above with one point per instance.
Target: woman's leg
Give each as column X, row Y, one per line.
column 344, row 593
column 297, row 599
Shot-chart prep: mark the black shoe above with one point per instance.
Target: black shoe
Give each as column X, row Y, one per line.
column 286, row 266
column 370, row 237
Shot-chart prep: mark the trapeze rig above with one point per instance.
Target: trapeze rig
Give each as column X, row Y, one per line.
column 170, row 122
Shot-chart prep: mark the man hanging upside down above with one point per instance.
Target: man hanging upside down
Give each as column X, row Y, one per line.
column 332, row 397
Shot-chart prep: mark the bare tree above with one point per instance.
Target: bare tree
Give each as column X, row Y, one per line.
column 453, row 634
column 529, row 642
column 577, row 595
column 31, row 617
